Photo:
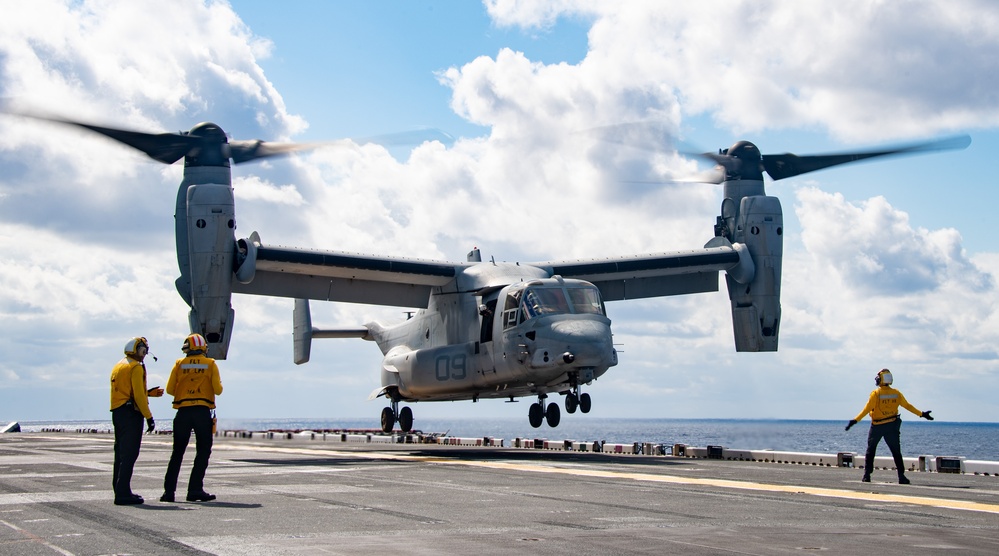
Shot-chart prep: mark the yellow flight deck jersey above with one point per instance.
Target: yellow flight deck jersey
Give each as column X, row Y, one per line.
column 194, row 380
column 883, row 405
column 128, row 383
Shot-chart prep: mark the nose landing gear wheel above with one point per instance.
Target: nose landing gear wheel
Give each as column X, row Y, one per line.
column 584, row 403
column 406, row 419
column 535, row 415
column 388, row 419
column 552, row 415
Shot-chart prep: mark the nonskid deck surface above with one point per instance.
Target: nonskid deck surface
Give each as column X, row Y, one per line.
column 299, row 496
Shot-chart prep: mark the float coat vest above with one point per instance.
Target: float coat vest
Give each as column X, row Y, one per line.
column 883, row 405
column 194, row 380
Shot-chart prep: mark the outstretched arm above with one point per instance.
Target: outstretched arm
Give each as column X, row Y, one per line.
column 871, row 404
column 912, row 409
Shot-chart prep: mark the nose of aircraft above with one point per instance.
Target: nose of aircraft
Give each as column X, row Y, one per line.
column 589, row 341
column 579, row 329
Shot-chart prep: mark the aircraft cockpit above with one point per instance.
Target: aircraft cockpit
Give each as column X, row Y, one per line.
column 542, row 298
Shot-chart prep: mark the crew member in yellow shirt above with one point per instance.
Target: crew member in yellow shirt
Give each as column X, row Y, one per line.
column 194, row 382
column 885, row 423
column 129, row 405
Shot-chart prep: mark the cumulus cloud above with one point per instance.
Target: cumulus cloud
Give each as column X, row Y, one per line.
column 874, row 249
column 87, row 246
column 869, row 282
column 862, row 70
column 137, row 65
column 255, row 188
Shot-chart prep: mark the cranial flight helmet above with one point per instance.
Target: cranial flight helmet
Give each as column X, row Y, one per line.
column 132, row 345
column 194, row 342
column 883, row 378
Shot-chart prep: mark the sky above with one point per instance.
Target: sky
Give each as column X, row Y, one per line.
column 886, row 264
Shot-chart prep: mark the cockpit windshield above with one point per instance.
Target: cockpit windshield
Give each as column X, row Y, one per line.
column 585, row 300
column 544, row 301
column 539, row 301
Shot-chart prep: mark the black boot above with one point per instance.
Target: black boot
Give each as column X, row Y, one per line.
column 128, row 500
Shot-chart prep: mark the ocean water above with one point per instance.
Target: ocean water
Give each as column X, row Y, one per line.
column 974, row 441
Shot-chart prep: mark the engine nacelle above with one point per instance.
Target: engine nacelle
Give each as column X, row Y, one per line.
column 211, row 250
column 759, row 225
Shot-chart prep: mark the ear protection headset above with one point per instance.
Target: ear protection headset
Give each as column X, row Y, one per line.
column 883, row 378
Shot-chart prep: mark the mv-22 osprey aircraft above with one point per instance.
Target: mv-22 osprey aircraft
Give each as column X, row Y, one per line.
column 481, row 329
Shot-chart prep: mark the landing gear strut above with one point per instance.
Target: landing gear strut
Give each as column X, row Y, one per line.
column 539, row 413
column 405, row 417
column 574, row 399
column 582, row 401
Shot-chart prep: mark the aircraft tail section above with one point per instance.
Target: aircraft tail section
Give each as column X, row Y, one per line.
column 303, row 332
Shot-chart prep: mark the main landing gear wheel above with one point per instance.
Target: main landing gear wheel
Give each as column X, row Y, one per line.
column 391, row 413
column 584, row 403
column 406, row 419
column 539, row 413
column 552, row 415
column 535, row 415
column 571, row 402
column 388, row 419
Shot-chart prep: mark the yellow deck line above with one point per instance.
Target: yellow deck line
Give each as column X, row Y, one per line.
column 649, row 477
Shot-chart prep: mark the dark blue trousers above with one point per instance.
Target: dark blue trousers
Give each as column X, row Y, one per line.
column 127, row 440
column 890, row 432
column 197, row 419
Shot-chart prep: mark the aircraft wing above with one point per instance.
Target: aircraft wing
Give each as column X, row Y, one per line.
column 337, row 276
column 657, row 274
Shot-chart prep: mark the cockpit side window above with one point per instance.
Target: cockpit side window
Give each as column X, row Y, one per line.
column 510, row 308
column 488, row 313
column 586, row 301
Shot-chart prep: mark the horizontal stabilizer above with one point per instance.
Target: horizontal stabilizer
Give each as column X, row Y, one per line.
column 304, row 332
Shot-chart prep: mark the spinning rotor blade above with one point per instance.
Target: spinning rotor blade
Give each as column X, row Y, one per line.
column 206, row 143
column 715, row 175
column 650, row 136
column 163, row 147
column 744, row 161
column 780, row 166
column 245, row 151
